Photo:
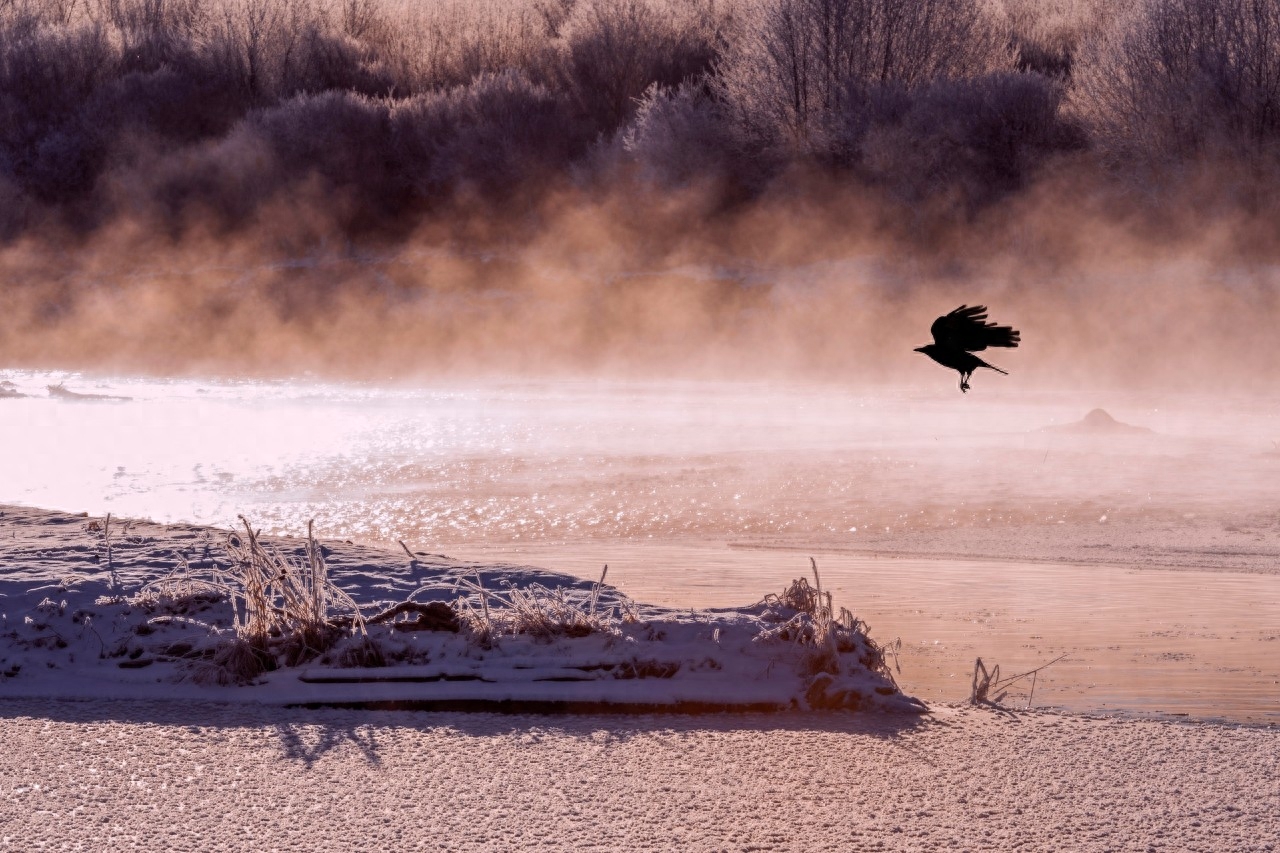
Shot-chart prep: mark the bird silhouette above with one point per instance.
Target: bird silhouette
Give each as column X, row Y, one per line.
column 958, row 335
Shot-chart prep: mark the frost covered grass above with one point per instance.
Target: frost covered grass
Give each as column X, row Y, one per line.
column 275, row 596
column 283, row 610
column 537, row 611
column 835, row 646
column 817, row 626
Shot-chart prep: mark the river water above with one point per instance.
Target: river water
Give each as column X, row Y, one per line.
column 713, row 494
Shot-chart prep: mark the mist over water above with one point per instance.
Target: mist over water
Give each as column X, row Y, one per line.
column 807, row 303
column 615, row 460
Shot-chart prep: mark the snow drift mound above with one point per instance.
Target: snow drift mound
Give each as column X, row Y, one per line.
column 1098, row 422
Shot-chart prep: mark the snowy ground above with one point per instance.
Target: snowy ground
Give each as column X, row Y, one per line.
column 118, row 776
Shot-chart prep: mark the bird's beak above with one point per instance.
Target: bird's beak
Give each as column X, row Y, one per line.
column 918, row 349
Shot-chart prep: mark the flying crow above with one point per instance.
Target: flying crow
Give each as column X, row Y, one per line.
column 958, row 335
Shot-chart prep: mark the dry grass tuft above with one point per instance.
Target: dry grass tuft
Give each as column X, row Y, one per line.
column 237, row 661
column 807, row 618
column 986, row 683
column 535, row 610
column 283, row 609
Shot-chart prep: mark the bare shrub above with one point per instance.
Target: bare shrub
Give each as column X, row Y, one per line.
column 272, row 50
column 445, row 43
column 337, row 135
column 152, row 33
column 333, row 61
column 333, row 144
column 989, row 688
column 47, row 76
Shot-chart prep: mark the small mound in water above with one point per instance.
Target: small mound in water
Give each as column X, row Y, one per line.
column 136, row 610
column 9, row 391
column 1098, row 422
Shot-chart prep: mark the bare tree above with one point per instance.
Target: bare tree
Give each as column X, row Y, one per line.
column 1183, row 79
column 798, row 63
column 612, row 50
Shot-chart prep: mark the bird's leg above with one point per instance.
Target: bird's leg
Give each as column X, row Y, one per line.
column 964, row 382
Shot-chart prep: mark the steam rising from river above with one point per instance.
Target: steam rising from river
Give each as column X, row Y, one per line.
column 592, row 288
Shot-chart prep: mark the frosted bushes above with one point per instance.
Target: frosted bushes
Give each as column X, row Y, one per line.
column 445, row 43
column 1046, row 35
column 334, row 61
column 46, row 77
column 334, row 134
column 916, row 98
column 492, row 135
column 679, row 136
column 393, row 112
column 327, row 142
column 384, row 158
column 794, row 63
column 968, row 140
column 155, row 106
column 1181, row 79
column 611, row 51
column 272, row 50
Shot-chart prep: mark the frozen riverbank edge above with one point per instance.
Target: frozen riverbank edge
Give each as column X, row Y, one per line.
column 91, row 608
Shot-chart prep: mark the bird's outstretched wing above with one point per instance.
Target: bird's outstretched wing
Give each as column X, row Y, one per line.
column 966, row 329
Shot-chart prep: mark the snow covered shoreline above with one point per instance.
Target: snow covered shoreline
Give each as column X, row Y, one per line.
column 144, row 611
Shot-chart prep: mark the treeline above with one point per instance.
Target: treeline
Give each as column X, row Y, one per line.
column 380, row 114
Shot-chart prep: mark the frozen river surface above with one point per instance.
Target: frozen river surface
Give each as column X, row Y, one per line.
column 959, row 524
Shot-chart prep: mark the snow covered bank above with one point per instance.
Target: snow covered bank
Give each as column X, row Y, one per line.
column 103, row 608
column 166, row 775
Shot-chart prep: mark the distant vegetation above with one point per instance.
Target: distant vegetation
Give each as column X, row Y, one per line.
column 380, row 115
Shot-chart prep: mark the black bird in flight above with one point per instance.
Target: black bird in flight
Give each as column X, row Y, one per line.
column 958, row 335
